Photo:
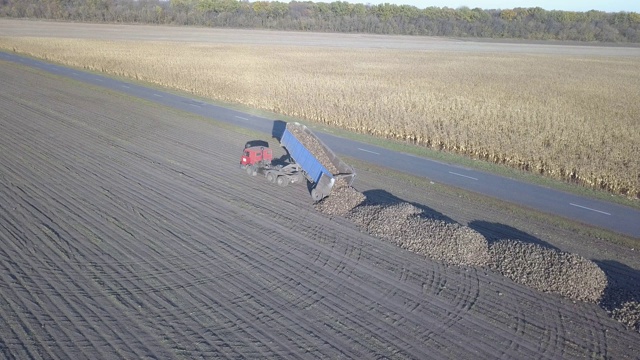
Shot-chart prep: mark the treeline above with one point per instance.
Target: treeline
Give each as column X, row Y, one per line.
column 340, row 16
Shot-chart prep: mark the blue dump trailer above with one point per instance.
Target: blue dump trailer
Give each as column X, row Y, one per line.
column 313, row 170
column 307, row 154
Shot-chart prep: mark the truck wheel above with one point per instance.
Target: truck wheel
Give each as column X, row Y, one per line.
column 249, row 170
column 254, row 171
column 271, row 178
column 316, row 195
column 282, row 181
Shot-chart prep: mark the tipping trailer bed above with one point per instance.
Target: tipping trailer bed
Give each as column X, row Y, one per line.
column 310, row 152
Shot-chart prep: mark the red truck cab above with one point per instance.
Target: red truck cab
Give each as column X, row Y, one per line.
column 256, row 155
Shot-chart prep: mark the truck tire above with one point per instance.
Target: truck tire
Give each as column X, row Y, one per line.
column 249, row 170
column 271, row 178
column 282, row 181
column 316, row 195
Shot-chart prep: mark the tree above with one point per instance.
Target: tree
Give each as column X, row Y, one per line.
column 525, row 23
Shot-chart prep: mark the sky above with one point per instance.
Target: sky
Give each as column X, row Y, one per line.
column 567, row 5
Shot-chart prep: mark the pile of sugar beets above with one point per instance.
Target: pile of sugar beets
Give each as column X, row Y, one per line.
column 542, row 268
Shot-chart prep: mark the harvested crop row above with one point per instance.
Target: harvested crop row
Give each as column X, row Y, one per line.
column 549, row 270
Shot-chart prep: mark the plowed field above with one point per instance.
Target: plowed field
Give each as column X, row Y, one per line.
column 127, row 230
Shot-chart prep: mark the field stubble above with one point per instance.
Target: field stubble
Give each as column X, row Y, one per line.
column 571, row 118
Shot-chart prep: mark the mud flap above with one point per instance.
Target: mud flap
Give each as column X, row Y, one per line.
column 323, row 187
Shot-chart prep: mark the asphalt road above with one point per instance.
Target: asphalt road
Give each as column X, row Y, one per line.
column 614, row 217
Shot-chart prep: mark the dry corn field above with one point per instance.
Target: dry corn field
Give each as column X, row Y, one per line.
column 570, row 117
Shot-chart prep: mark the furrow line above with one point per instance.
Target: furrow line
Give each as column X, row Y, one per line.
column 61, row 265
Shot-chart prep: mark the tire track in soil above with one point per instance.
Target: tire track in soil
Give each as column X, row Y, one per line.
column 32, row 298
column 296, row 267
column 288, row 257
column 445, row 308
column 196, row 296
column 68, row 290
column 311, row 297
column 15, row 319
column 123, row 286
